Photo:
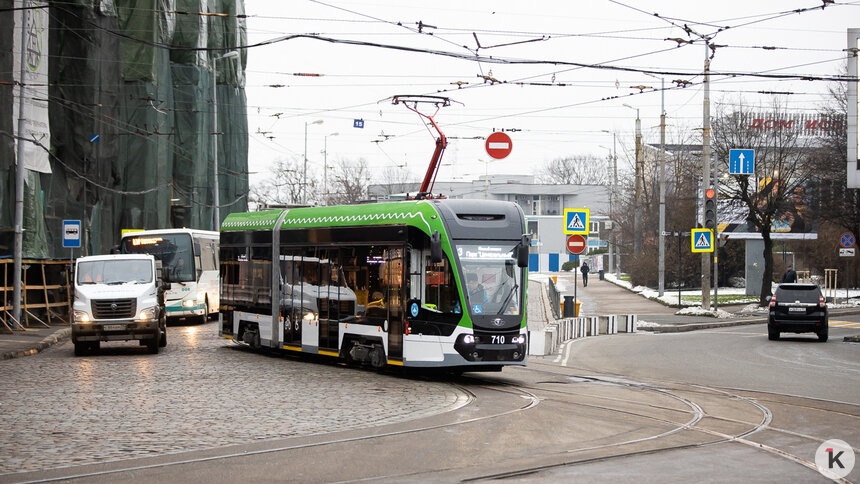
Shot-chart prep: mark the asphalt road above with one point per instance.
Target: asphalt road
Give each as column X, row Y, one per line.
column 719, row 405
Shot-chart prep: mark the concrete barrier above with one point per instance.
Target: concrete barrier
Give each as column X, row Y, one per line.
column 546, row 341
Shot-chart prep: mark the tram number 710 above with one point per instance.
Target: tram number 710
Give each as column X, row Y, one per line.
column 497, row 340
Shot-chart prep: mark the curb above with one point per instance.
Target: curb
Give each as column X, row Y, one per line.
column 682, row 328
column 41, row 345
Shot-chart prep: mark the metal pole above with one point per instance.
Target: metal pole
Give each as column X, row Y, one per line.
column 19, row 180
column 679, row 269
column 662, row 269
column 715, row 235
column 706, row 175
column 216, row 195
column 637, row 210
column 305, row 171
column 325, row 169
column 615, row 192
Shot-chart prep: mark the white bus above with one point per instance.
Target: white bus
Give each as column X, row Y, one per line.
column 190, row 258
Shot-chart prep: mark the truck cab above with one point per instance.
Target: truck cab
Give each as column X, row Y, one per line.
column 118, row 297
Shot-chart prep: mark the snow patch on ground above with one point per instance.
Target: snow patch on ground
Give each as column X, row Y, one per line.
column 697, row 311
column 646, row 324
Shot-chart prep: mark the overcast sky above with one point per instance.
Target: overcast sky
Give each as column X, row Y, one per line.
column 559, row 110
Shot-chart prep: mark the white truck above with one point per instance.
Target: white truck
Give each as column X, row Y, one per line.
column 118, row 298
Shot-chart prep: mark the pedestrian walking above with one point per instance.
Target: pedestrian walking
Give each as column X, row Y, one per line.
column 584, row 270
column 790, row 275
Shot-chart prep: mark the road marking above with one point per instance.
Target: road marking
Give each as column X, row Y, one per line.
column 845, row 324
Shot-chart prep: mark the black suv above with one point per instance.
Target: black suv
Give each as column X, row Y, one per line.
column 797, row 308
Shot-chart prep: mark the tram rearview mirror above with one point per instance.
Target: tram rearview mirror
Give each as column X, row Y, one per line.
column 435, row 247
column 523, row 252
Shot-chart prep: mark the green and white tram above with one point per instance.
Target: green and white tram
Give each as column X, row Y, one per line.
column 380, row 284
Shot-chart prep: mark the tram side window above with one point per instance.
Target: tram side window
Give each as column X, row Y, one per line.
column 440, row 290
column 260, row 280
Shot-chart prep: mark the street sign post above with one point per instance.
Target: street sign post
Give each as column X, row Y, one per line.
column 741, row 162
column 576, row 221
column 499, row 145
column 702, row 240
column 71, row 234
column 576, row 244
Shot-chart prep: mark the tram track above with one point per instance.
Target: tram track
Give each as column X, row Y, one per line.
column 764, row 424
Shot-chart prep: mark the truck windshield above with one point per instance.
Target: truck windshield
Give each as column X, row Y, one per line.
column 173, row 250
column 493, row 282
column 114, row 272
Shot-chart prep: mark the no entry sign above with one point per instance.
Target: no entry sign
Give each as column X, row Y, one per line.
column 498, row 145
column 576, row 244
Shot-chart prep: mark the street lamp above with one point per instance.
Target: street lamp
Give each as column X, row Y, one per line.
column 637, row 196
column 325, row 165
column 305, row 171
column 216, row 215
column 612, row 196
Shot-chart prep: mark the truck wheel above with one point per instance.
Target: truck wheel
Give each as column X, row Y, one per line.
column 153, row 344
column 81, row 349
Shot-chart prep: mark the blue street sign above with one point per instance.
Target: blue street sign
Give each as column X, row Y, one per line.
column 702, row 240
column 847, row 240
column 71, row 234
column 741, row 162
column 358, row 123
column 94, row 138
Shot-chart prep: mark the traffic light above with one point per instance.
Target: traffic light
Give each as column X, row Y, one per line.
column 710, row 209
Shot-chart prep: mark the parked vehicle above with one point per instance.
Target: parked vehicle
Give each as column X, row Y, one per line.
column 798, row 308
column 118, row 298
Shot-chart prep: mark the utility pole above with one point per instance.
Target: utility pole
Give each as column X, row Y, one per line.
column 637, row 215
column 706, row 174
column 19, row 180
column 662, row 269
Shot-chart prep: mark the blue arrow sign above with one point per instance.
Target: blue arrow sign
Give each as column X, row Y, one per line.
column 741, row 162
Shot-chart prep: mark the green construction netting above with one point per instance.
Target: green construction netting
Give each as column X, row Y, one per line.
column 151, row 106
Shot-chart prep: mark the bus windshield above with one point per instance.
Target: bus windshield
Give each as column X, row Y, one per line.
column 173, row 250
column 492, row 279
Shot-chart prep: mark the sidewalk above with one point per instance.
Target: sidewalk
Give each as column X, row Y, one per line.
column 31, row 341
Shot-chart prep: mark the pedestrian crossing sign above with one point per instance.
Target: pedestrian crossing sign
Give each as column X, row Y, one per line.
column 576, row 221
column 702, row 240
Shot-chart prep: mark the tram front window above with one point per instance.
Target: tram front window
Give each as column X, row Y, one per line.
column 493, row 281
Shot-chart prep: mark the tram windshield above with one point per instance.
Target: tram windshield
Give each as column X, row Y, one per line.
column 493, row 282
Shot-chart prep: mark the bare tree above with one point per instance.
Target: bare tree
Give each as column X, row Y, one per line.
column 348, row 182
column 284, row 186
column 575, row 170
column 782, row 166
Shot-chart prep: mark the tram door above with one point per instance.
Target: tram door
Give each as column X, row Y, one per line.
column 395, row 260
column 291, row 302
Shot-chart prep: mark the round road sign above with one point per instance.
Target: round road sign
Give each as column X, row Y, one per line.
column 847, row 240
column 498, row 145
column 576, row 244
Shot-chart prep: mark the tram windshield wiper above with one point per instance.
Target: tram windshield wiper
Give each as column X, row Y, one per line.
column 508, row 298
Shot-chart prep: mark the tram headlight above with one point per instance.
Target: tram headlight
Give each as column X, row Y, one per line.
column 469, row 339
column 189, row 303
column 310, row 316
column 519, row 339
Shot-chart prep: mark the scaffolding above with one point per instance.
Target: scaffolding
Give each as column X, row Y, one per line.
column 46, row 293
